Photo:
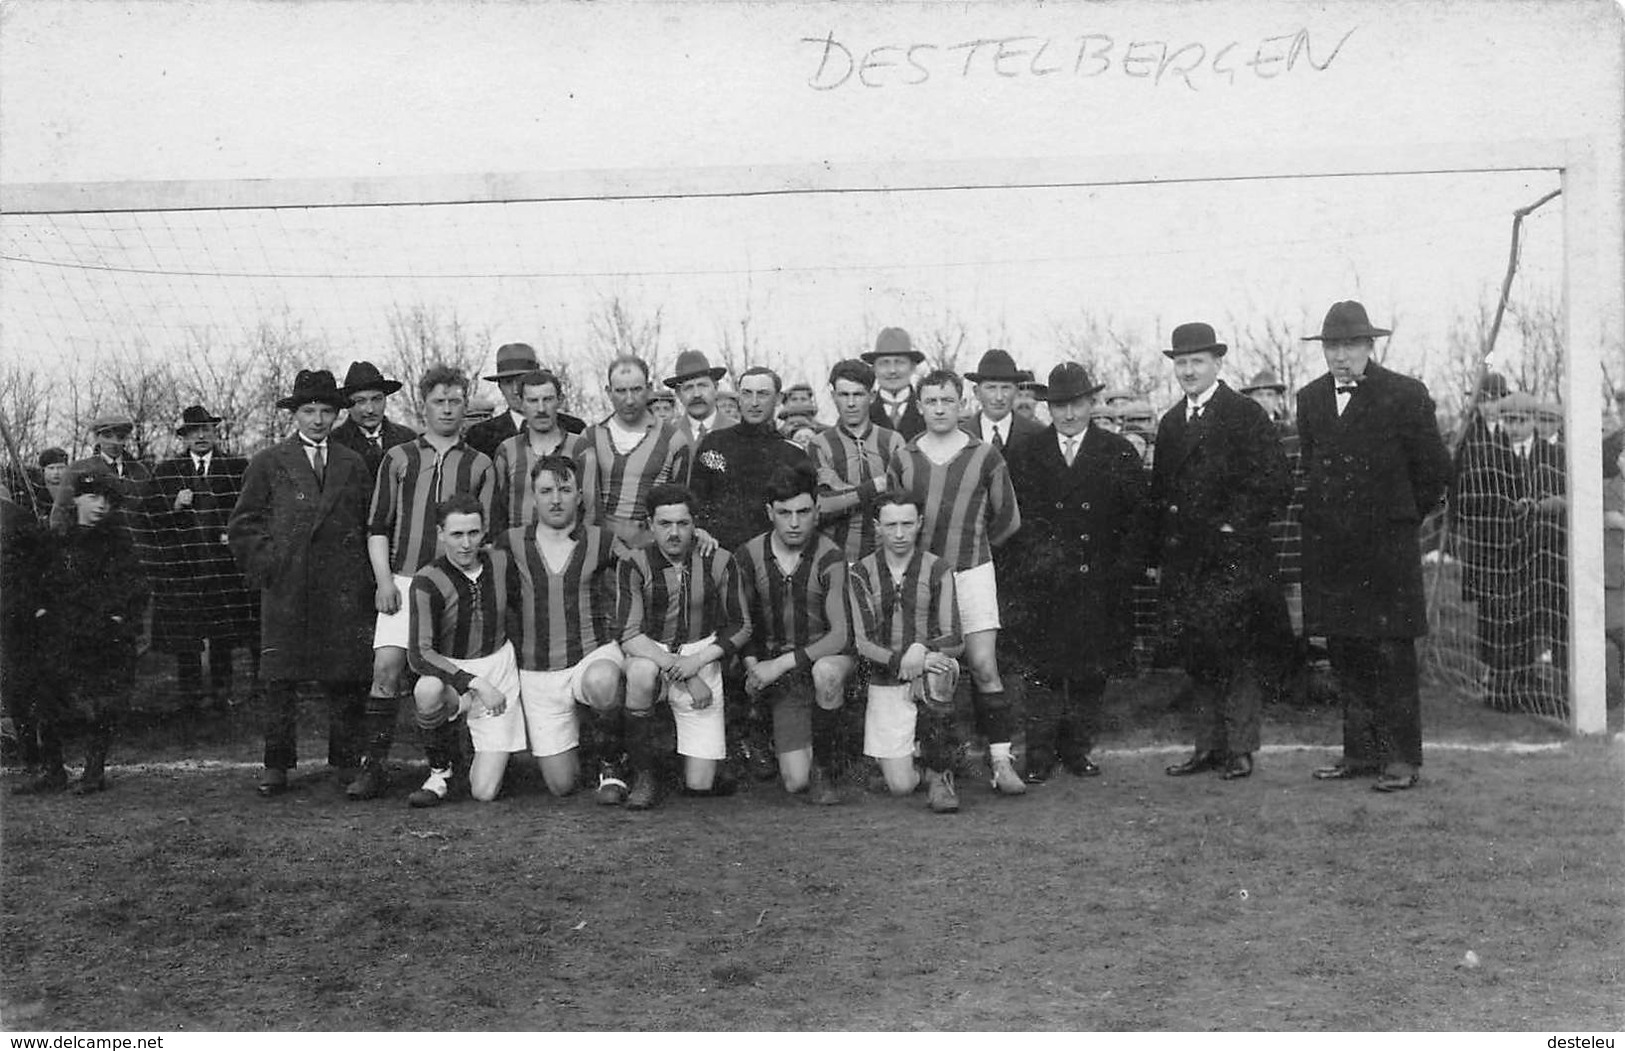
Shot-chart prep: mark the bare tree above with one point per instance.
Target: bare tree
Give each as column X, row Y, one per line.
column 421, row 337
column 943, row 342
column 27, row 403
column 1112, row 354
column 142, row 389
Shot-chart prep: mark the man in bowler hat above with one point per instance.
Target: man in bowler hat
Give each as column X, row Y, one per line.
column 897, row 404
column 299, row 532
column 367, row 429
column 1080, row 488
column 1374, row 466
column 1219, row 479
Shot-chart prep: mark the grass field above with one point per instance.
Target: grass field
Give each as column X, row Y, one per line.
column 179, row 900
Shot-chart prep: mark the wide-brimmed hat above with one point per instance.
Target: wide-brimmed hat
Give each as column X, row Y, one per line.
column 1265, row 379
column 514, row 359
column 893, row 341
column 1347, row 320
column 196, row 416
column 314, row 385
column 692, row 364
column 111, row 421
column 364, row 375
column 996, row 366
column 1518, row 401
column 1194, row 337
column 1068, row 381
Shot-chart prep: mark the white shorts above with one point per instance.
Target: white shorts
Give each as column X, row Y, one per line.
column 888, row 722
column 395, row 629
column 976, row 593
column 496, row 733
column 699, row 732
column 549, row 699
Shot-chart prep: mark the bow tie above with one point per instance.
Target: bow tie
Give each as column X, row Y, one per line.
column 1346, row 388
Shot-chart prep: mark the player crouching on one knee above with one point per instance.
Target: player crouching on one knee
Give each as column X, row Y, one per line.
column 459, row 647
column 790, row 600
column 906, row 623
column 673, row 599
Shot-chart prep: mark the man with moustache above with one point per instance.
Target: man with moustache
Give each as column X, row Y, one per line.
column 896, row 406
column 695, row 381
column 996, row 377
column 513, row 361
column 541, row 436
column 367, row 429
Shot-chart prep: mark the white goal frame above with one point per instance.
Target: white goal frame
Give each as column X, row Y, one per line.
column 1593, row 252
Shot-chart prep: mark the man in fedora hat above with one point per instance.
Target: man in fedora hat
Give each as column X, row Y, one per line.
column 1218, row 481
column 1267, row 389
column 367, row 429
column 1025, row 402
column 897, row 406
column 1080, row 488
column 513, row 361
column 202, row 597
column 996, row 377
column 695, row 381
column 1374, row 467
column 299, row 534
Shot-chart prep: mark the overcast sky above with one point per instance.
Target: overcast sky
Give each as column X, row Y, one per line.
column 162, row 91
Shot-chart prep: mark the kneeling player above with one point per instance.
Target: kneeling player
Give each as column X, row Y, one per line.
column 459, row 647
column 790, row 600
column 907, row 627
column 561, row 608
column 674, row 599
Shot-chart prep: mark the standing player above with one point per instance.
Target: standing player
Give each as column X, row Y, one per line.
column 561, row 609
column 732, row 465
column 852, row 458
column 964, row 488
column 412, row 479
column 628, row 454
column 790, row 596
column 906, row 625
column 460, row 650
column 673, row 600
column 539, row 395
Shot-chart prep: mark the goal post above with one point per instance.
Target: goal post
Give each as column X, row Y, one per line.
column 1594, row 254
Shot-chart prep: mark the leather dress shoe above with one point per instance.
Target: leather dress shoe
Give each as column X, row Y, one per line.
column 1342, row 772
column 1081, row 767
column 1395, row 782
column 1238, row 766
column 1196, row 764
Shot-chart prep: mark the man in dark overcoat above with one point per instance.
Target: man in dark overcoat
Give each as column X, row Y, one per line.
column 299, row 533
column 199, row 594
column 1374, row 466
column 1219, row 479
column 1071, row 617
column 368, row 429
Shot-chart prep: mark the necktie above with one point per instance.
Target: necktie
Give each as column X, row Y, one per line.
column 894, row 409
column 197, row 467
column 1196, row 412
column 1070, row 450
column 318, row 463
column 699, row 433
column 998, row 442
column 377, row 441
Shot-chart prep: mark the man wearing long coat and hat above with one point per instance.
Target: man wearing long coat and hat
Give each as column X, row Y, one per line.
column 299, row 532
column 1218, row 480
column 694, row 380
column 897, row 404
column 514, row 361
column 1374, row 466
column 199, row 594
column 1071, row 617
column 367, row 429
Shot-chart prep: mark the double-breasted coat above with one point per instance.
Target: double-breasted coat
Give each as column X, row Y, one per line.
column 1370, row 476
column 198, row 591
column 1216, row 486
column 305, row 545
column 1067, row 582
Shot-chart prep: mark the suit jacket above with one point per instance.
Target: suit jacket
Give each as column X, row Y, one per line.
column 305, row 546
column 1370, row 476
column 1068, row 582
column 488, row 434
column 199, row 593
column 912, row 424
column 1022, row 430
column 392, row 433
column 1216, row 486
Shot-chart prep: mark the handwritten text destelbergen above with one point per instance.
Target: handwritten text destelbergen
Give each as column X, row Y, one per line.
column 1193, row 64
